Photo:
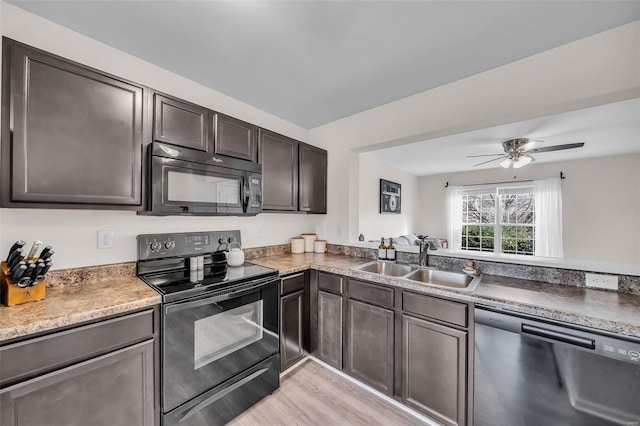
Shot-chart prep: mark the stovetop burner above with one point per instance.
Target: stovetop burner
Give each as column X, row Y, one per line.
column 163, row 263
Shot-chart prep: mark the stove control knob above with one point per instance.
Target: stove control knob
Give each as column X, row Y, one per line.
column 222, row 240
column 170, row 245
column 231, row 240
column 156, row 246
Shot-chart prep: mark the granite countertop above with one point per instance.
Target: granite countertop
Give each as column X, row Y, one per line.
column 73, row 304
column 609, row 311
column 92, row 295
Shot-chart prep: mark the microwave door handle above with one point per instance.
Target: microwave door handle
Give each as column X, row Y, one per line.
column 245, row 193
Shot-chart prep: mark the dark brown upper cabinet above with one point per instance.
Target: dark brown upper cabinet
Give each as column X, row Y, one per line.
column 235, row 138
column 181, row 123
column 294, row 174
column 312, row 188
column 279, row 158
column 72, row 136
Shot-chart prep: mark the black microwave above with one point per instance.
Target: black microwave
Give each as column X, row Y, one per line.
column 185, row 181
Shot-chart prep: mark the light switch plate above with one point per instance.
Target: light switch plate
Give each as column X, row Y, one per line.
column 609, row 282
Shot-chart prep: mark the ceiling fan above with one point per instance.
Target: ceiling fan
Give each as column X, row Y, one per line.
column 517, row 152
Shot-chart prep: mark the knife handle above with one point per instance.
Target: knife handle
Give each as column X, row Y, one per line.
column 34, row 248
column 18, row 244
column 46, row 256
column 44, row 252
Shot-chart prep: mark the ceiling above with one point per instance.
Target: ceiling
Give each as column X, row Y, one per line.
column 611, row 129
column 312, row 62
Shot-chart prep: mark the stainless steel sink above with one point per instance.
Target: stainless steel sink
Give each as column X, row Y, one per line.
column 386, row 268
column 430, row 276
column 444, row 278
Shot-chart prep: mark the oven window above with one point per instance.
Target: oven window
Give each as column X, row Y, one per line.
column 226, row 332
column 199, row 188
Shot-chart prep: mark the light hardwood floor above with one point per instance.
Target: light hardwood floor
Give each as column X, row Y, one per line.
column 314, row 395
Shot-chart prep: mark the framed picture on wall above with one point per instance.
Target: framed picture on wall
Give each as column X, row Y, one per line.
column 390, row 197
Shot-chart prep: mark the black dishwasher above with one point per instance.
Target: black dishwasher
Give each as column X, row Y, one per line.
column 530, row 371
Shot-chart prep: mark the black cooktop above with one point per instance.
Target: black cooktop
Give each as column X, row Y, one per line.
column 175, row 282
column 164, row 260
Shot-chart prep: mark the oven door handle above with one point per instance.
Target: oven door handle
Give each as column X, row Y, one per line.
column 222, row 393
column 214, row 299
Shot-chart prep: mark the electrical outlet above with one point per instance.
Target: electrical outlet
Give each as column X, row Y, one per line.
column 105, row 239
column 609, row 282
column 260, row 231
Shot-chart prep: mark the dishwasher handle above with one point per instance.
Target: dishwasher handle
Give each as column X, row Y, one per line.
column 558, row 336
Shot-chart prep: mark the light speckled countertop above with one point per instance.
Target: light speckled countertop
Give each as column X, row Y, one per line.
column 88, row 300
column 73, row 304
column 609, row 311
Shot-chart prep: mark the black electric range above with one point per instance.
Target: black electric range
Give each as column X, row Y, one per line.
column 220, row 326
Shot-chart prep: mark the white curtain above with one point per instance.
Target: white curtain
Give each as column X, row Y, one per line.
column 548, row 220
column 454, row 217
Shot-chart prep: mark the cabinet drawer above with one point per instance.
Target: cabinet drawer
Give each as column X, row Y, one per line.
column 433, row 307
column 329, row 282
column 292, row 283
column 41, row 355
column 371, row 293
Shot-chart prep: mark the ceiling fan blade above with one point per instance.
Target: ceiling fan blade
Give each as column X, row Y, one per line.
column 495, row 159
column 530, row 145
column 485, row 155
column 558, row 147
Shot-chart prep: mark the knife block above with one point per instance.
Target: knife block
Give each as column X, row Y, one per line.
column 14, row 295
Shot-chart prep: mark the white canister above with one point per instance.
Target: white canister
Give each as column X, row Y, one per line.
column 308, row 242
column 320, row 246
column 297, row 245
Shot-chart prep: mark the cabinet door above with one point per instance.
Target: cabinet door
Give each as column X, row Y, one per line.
column 279, row 158
column 180, row 123
column 235, row 138
column 291, row 329
column 313, row 179
column 72, row 136
column 113, row 389
column 434, row 370
column 369, row 355
column 330, row 328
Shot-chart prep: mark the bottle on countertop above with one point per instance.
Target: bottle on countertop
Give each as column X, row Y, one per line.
column 361, row 237
column 382, row 250
column 391, row 250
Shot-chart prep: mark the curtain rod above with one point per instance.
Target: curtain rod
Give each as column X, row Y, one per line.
column 562, row 176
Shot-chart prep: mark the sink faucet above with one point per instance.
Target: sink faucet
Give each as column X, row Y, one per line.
column 425, row 244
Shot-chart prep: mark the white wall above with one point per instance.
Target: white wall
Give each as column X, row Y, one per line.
column 373, row 224
column 601, row 201
column 595, row 70
column 73, row 233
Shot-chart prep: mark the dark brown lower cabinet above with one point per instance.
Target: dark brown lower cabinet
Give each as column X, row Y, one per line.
column 434, row 370
column 370, row 350
column 96, row 374
column 113, row 389
column 330, row 328
column 292, row 329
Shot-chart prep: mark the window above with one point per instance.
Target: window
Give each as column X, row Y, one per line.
column 499, row 220
column 515, row 218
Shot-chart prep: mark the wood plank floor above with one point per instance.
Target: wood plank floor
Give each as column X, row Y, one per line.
column 314, row 395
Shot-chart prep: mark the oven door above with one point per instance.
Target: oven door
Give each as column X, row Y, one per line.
column 183, row 187
column 209, row 340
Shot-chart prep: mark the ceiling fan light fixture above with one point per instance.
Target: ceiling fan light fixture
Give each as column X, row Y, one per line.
column 521, row 161
column 506, row 163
